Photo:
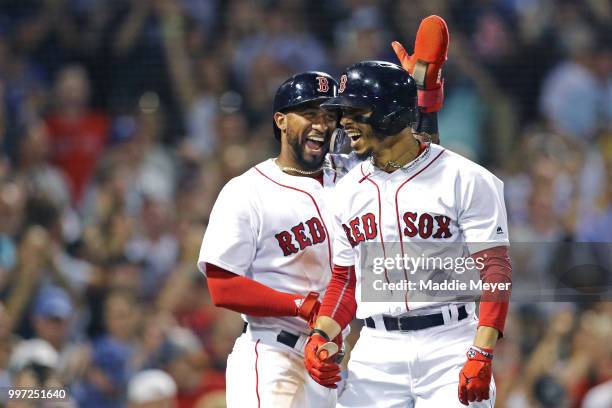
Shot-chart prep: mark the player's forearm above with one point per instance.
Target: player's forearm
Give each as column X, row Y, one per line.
column 339, row 304
column 328, row 325
column 496, row 271
column 486, row 337
column 244, row 295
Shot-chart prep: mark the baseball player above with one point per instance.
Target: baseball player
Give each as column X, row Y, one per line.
column 410, row 353
column 267, row 251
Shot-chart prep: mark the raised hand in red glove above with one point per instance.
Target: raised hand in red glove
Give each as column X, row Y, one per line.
column 475, row 377
column 308, row 308
column 319, row 359
column 425, row 65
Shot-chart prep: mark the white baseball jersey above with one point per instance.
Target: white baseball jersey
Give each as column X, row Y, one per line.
column 275, row 228
column 440, row 197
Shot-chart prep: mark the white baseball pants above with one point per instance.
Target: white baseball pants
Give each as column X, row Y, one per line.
column 413, row 369
column 263, row 373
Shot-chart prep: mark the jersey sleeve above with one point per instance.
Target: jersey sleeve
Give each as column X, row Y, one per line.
column 343, row 252
column 230, row 238
column 482, row 216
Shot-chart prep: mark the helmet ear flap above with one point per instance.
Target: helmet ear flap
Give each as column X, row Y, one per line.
column 396, row 121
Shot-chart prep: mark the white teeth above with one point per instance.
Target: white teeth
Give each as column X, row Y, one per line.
column 316, row 139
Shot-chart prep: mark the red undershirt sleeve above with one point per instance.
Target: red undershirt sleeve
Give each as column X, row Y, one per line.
column 496, row 269
column 339, row 301
column 244, row 295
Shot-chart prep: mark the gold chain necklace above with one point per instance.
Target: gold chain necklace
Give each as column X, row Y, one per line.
column 293, row 169
column 393, row 164
column 407, row 166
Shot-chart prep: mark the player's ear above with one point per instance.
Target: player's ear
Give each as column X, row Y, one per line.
column 281, row 120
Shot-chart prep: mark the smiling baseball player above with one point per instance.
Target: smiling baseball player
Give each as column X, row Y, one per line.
column 267, row 251
column 410, row 353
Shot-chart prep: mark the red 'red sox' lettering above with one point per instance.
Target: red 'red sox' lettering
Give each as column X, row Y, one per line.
column 302, row 239
column 354, row 229
column 301, row 236
column 347, row 231
column 317, row 232
column 364, row 228
column 423, row 225
column 369, row 226
column 409, row 219
column 443, row 227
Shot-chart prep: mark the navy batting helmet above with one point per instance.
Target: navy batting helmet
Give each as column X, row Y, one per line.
column 385, row 88
column 301, row 89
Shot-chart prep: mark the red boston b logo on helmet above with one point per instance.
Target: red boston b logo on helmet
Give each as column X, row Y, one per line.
column 343, row 80
column 323, row 84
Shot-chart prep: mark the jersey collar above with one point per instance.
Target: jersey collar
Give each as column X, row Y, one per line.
column 431, row 151
column 272, row 170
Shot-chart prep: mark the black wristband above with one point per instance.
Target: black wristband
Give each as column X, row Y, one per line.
column 320, row 333
column 427, row 122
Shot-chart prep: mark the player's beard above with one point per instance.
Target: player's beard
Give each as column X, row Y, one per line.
column 298, row 145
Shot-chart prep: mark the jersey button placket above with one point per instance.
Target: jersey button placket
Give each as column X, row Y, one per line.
column 389, row 193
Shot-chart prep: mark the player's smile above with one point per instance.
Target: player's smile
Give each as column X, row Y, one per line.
column 355, row 135
column 315, row 142
column 315, row 145
column 360, row 141
column 359, row 133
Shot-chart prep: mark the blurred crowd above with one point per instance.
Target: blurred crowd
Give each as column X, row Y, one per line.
column 120, row 120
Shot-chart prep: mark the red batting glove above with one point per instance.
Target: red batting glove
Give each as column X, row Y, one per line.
column 319, row 361
column 425, row 65
column 308, row 308
column 475, row 377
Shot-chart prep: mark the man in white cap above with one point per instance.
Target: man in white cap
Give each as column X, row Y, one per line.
column 152, row 389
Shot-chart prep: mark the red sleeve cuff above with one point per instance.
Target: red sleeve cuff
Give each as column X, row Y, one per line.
column 493, row 314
